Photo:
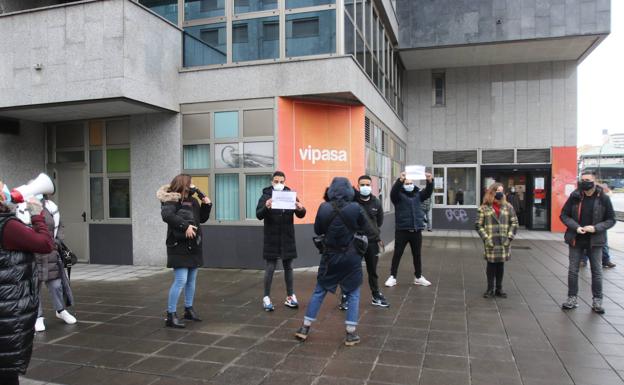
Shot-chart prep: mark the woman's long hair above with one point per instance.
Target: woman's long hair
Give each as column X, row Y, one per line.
column 3, row 207
column 488, row 198
column 181, row 184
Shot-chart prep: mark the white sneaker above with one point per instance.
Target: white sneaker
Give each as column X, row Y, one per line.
column 39, row 325
column 422, row 281
column 65, row 316
column 266, row 304
column 391, row 281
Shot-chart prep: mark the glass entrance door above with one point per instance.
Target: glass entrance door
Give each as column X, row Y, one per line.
column 539, row 201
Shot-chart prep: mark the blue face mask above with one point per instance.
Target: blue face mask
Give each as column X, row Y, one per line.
column 408, row 187
column 7, row 194
column 365, row 190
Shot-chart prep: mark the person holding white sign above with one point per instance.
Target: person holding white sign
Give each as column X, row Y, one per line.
column 409, row 224
column 276, row 207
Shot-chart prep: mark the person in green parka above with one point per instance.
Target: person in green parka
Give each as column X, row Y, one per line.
column 497, row 225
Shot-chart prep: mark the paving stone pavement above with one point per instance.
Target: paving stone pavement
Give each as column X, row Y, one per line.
column 445, row 334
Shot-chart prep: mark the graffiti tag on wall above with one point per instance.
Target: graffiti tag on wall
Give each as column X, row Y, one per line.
column 457, row 215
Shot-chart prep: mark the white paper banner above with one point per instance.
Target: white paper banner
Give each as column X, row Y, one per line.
column 415, row 172
column 284, row 200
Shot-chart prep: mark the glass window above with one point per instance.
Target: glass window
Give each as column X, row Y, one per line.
column 227, row 155
column 242, row 6
column 95, row 161
column 461, row 185
column 258, row 123
column 119, row 198
column 205, row 45
column 96, row 128
column 255, row 39
column 311, row 33
column 226, row 199
column 359, row 50
column 258, row 154
column 349, row 4
column 200, row 9
column 196, row 126
column 117, row 132
column 69, row 135
column 369, row 63
column 348, row 36
column 69, row 156
column 359, row 15
column 307, row 3
column 253, row 191
column 196, row 156
column 165, row 8
column 97, row 197
column 438, row 187
column 439, row 86
column 369, row 23
column 118, row 160
column 226, row 124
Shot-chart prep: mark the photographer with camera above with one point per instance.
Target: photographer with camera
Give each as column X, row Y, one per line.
column 183, row 215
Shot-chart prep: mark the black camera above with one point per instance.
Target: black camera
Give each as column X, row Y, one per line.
column 194, row 190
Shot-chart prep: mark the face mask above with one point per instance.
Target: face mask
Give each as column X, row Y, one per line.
column 499, row 195
column 365, row 190
column 7, row 194
column 587, row 185
column 278, row 186
column 408, row 187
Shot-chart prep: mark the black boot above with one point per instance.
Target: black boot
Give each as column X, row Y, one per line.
column 174, row 322
column 500, row 293
column 189, row 314
column 489, row 293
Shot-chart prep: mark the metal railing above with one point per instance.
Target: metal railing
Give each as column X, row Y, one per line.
column 197, row 52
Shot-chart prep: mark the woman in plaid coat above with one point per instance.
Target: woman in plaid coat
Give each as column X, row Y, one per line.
column 497, row 224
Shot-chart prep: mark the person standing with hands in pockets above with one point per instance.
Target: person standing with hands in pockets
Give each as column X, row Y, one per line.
column 409, row 224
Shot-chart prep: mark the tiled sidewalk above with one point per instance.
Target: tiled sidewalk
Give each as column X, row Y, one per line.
column 444, row 334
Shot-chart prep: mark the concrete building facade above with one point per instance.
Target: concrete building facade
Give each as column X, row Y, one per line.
column 113, row 98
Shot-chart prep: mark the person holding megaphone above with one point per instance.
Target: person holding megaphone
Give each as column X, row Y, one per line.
column 183, row 215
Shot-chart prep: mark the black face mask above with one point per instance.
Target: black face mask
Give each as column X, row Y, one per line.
column 498, row 195
column 587, row 185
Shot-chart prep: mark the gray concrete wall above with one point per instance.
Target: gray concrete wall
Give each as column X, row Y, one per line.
column 155, row 159
column 95, row 50
column 22, row 157
column 427, row 23
column 507, row 106
column 7, row 6
column 305, row 77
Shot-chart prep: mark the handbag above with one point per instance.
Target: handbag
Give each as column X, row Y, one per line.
column 67, row 256
column 360, row 240
column 319, row 240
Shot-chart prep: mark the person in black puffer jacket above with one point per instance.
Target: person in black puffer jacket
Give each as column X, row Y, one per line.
column 183, row 216
column 409, row 224
column 18, row 280
column 279, row 240
column 340, row 263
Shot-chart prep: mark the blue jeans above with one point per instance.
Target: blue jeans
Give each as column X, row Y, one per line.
column 182, row 278
column 353, row 300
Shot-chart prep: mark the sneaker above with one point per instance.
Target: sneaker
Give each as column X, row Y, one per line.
column 391, row 281
column 488, row 294
column 302, row 333
column 65, row 316
column 352, row 339
column 267, row 305
column 570, row 303
column 291, row 301
column 344, row 304
column 39, row 325
column 422, row 281
column 500, row 293
column 608, row 265
column 379, row 300
column 597, row 306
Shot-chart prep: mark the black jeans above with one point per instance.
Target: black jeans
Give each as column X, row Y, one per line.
column 269, row 270
column 401, row 239
column 495, row 270
column 9, row 379
column 372, row 258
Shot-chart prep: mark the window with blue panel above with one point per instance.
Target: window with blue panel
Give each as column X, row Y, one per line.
column 311, row 33
column 255, row 39
column 243, row 6
column 196, row 156
column 307, row 3
column 202, row 9
column 226, row 124
column 254, row 184
column 205, row 45
column 227, row 198
column 165, row 8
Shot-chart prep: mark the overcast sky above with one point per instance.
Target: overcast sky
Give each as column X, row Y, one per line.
column 601, row 84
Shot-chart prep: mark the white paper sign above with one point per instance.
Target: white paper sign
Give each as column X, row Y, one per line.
column 284, row 200
column 539, row 183
column 438, row 182
column 569, row 188
column 415, row 172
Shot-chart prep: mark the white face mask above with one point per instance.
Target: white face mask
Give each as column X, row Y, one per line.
column 278, row 186
column 408, row 187
column 365, row 190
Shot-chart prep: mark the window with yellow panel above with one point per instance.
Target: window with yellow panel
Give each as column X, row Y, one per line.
column 203, row 184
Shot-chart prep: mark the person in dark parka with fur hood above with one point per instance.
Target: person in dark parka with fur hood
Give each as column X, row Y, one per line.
column 183, row 215
column 279, row 240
